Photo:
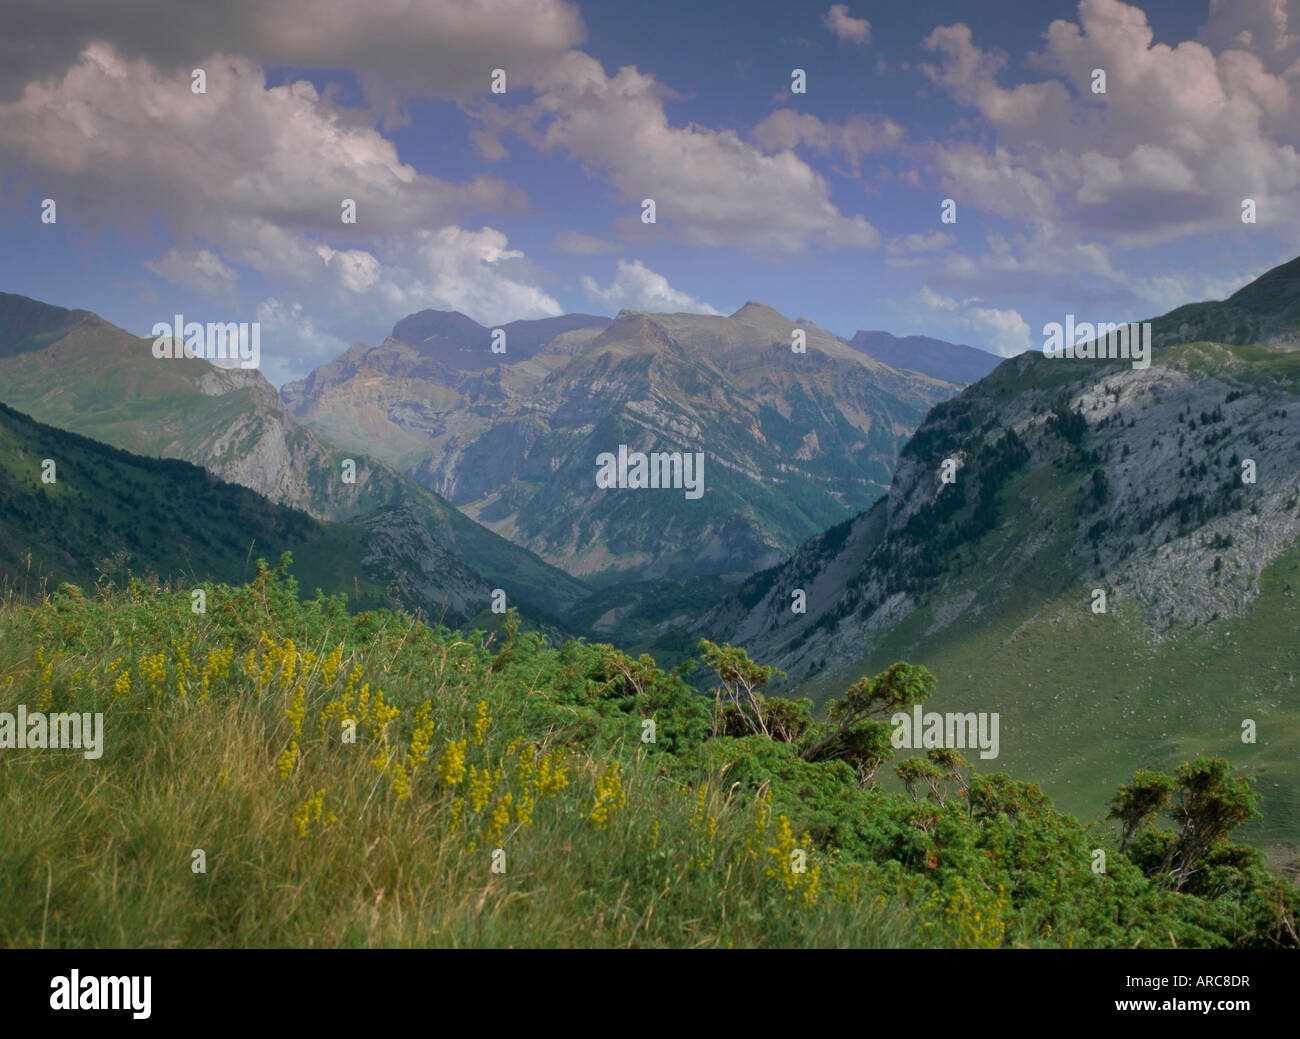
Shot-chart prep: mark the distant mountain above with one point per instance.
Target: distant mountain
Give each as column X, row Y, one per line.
column 111, row 512
column 950, row 362
column 75, row 371
column 792, row 442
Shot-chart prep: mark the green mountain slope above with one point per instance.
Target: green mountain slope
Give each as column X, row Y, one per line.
column 75, row 371
column 1266, row 313
column 108, row 512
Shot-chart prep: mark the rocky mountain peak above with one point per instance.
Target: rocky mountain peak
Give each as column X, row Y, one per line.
column 760, row 314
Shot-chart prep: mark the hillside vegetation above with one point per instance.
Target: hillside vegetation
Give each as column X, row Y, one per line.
column 500, row 791
column 75, row 371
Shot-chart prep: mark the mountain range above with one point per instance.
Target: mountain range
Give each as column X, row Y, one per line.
column 794, row 440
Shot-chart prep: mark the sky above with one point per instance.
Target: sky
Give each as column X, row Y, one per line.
column 827, row 204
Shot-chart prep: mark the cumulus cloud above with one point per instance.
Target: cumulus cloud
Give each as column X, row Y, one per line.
column 471, row 271
column 398, row 48
column 857, row 136
column 710, row 187
column 1178, row 139
column 970, row 74
column 839, row 22
column 1003, row 331
column 198, row 269
column 123, row 139
column 291, row 340
column 636, row 287
column 258, row 174
column 1259, row 26
column 1182, row 134
column 452, row 268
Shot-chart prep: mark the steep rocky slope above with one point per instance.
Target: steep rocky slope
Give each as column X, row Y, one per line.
column 1069, row 474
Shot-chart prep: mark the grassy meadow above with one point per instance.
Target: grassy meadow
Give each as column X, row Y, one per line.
column 365, row 780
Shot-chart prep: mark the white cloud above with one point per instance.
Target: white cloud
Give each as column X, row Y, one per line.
column 1180, row 136
column 356, row 269
column 906, row 245
column 1003, row 331
column 453, row 268
column 838, row 21
column 199, row 269
column 1259, row 26
column 786, row 129
column 971, row 75
column 473, row 272
column 291, row 341
column 258, row 176
column 710, row 187
column 636, row 287
column 238, row 157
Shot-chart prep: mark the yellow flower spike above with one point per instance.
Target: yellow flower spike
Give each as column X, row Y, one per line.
column 312, row 810
column 288, row 760
column 289, row 654
column 451, row 769
column 610, row 796
column 296, row 711
column 551, row 777
column 331, row 665
column 154, row 668
column 524, row 764
column 481, row 723
column 697, row 816
column 480, row 788
column 812, row 889
column 500, row 819
column 401, row 782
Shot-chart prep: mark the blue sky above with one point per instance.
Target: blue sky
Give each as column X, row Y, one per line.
column 226, row 205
